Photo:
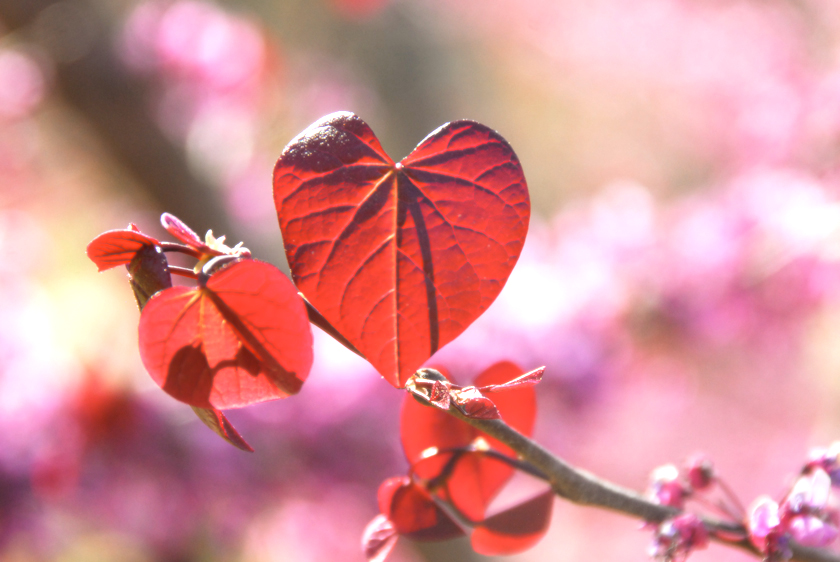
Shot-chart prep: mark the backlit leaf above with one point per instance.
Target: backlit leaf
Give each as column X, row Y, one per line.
column 216, row 420
column 474, row 404
column 177, row 228
column 117, row 247
column 413, row 512
column 529, row 378
column 476, row 478
column 241, row 339
column 516, row 529
column 400, row 258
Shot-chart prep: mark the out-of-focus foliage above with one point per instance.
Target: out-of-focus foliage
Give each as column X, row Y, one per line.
column 680, row 280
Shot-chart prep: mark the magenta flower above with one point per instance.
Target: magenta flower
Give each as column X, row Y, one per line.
column 827, row 459
column 676, row 538
column 806, row 511
column 765, row 526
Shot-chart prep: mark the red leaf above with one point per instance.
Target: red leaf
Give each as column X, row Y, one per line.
column 517, row 405
column 476, row 478
column 529, row 378
column 378, row 539
column 516, row 529
column 216, row 420
column 117, row 247
column 186, row 235
column 475, row 405
column 181, row 231
column 439, row 395
column 413, row 512
column 400, row 258
column 432, row 392
column 242, row 339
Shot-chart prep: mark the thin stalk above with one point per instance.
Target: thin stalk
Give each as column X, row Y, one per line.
column 183, row 272
column 318, row 320
column 180, row 248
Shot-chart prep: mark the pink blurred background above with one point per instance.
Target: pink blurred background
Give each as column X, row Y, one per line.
column 680, row 280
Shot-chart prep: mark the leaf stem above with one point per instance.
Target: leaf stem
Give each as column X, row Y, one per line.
column 180, row 248
column 183, row 272
column 318, row 320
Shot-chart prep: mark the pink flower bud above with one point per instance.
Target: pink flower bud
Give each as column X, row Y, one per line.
column 665, row 487
column 699, row 471
column 764, row 524
column 810, row 530
column 676, row 538
column 827, row 459
column 806, row 512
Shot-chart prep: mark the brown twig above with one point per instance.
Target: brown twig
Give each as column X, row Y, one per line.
column 581, row 487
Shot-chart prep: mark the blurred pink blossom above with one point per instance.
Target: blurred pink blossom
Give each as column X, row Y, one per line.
column 808, row 515
column 764, row 524
column 666, row 487
column 22, row 84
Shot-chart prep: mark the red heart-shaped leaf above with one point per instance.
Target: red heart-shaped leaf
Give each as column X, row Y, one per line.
column 413, row 512
column 476, row 478
column 117, row 247
column 400, row 258
column 241, row 339
column 515, row 529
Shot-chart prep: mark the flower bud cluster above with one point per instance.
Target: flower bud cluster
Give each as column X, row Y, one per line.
column 808, row 514
column 675, row 538
column 672, row 486
column 826, row 458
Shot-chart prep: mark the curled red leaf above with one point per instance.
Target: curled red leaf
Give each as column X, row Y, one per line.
column 205, row 249
column 241, row 339
column 177, row 228
column 400, row 258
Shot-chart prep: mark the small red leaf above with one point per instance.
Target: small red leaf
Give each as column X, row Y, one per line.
column 516, row 529
column 413, row 512
column 432, row 392
column 518, row 405
column 181, row 231
column 242, row 339
column 378, row 539
column 529, row 378
column 475, row 405
column 439, row 395
column 477, row 478
column 117, row 247
column 400, row 258
column 218, row 422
